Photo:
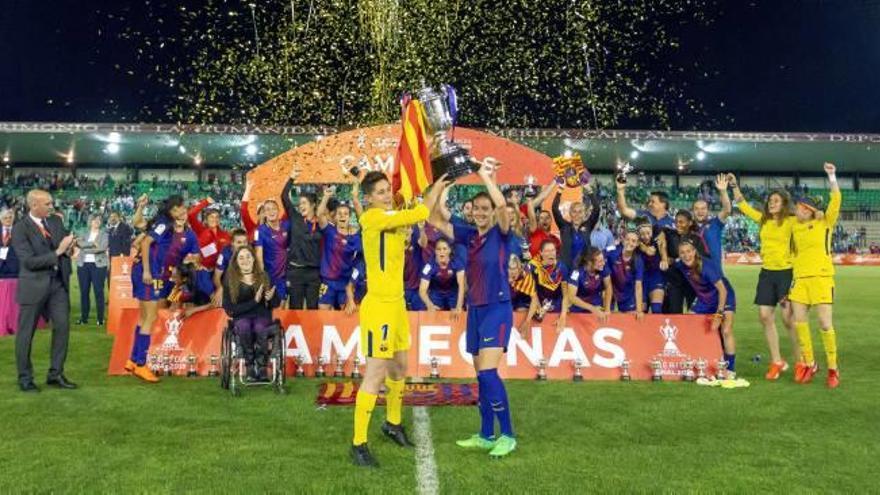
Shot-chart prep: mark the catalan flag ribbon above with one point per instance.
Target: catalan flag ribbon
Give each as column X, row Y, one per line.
column 412, row 165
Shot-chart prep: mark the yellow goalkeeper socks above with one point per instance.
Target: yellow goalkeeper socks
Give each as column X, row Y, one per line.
column 394, row 400
column 806, row 341
column 829, row 341
column 363, row 409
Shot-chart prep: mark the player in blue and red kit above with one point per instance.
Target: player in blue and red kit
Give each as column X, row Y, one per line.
column 655, row 263
column 442, row 281
column 412, row 265
column 589, row 285
column 339, row 248
column 715, row 296
column 711, row 228
column 489, row 314
column 166, row 245
column 270, row 243
column 627, row 275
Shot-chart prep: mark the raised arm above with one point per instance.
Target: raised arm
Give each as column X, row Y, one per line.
column 322, row 213
column 436, row 217
column 625, row 210
column 721, row 183
column 138, row 221
column 356, row 197
column 193, row 215
column 833, row 210
column 487, row 174
column 250, row 225
column 560, row 220
column 744, row 207
column 595, row 207
column 538, row 201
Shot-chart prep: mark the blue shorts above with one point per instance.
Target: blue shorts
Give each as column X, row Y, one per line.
column 160, row 289
column 280, row 288
column 443, row 300
column 360, row 290
column 702, row 308
column 626, row 305
column 413, row 301
column 489, row 326
column 333, row 293
column 652, row 281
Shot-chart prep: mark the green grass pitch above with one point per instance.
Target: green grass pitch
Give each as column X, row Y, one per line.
column 115, row 435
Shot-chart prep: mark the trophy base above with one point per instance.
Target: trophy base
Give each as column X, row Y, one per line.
column 455, row 162
column 625, row 378
column 355, row 376
column 541, row 378
column 435, row 376
column 338, row 375
column 578, row 378
column 213, row 373
column 191, row 374
column 656, row 378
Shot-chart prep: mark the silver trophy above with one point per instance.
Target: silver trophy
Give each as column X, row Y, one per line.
column 153, row 360
column 319, row 369
column 191, row 366
column 687, row 370
column 542, row 370
column 212, row 371
column 449, row 157
column 720, row 369
column 701, row 368
column 300, row 371
column 435, row 368
column 166, row 365
column 356, row 368
column 578, row 376
column 339, row 372
column 623, row 169
column 624, row 371
column 542, row 311
column 656, row 369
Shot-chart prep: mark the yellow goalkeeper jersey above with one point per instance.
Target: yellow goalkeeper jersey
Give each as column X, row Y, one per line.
column 812, row 242
column 383, row 233
column 776, row 243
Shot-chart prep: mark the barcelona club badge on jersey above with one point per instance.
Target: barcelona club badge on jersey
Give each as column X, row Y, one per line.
column 570, row 170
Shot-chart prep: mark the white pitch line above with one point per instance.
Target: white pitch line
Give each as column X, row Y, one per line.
column 426, row 466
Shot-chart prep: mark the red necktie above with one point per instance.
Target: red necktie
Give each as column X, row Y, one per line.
column 45, row 229
column 6, row 236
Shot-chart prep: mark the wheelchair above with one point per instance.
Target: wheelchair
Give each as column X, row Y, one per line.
column 233, row 371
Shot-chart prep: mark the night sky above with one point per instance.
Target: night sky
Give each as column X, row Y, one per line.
column 781, row 65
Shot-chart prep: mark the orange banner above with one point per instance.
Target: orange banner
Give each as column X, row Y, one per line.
column 120, row 296
column 310, row 335
column 838, row 259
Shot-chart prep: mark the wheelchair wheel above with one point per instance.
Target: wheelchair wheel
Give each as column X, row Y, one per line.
column 278, row 354
column 225, row 360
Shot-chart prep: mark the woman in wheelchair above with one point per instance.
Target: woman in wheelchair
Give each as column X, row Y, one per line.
column 248, row 298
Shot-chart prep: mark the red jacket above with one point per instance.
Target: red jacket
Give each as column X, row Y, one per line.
column 211, row 242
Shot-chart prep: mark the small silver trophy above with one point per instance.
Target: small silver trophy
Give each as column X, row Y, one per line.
column 212, row 370
column 623, row 169
column 191, row 366
column 356, row 368
column 300, row 371
column 319, row 369
column 542, row 311
column 701, row 368
column 339, row 372
column 687, row 370
column 435, row 368
column 166, row 365
column 720, row 369
column 624, row 371
column 656, row 369
column 578, row 376
column 542, row 370
column 153, row 359
column 441, row 108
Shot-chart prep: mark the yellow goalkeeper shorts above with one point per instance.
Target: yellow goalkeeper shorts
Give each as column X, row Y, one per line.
column 812, row 290
column 384, row 327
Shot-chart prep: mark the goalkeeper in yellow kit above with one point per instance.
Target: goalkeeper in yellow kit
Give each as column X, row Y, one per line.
column 814, row 279
column 383, row 317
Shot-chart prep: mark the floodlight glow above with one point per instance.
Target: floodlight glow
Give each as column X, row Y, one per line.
column 251, row 149
column 634, row 154
column 114, row 137
column 112, row 148
column 701, row 155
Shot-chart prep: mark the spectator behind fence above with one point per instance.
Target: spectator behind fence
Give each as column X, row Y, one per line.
column 119, row 235
column 8, row 275
column 91, row 269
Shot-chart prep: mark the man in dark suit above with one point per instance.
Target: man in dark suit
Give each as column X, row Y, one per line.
column 120, row 235
column 43, row 246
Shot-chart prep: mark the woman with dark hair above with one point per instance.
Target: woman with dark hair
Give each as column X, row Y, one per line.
column 442, row 285
column 589, row 285
column 212, row 241
column 715, row 296
column 575, row 234
column 627, row 275
column 271, row 242
column 303, row 271
column 167, row 244
column 248, row 298
column 8, row 275
column 92, row 262
column 655, row 262
column 678, row 291
column 774, row 282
